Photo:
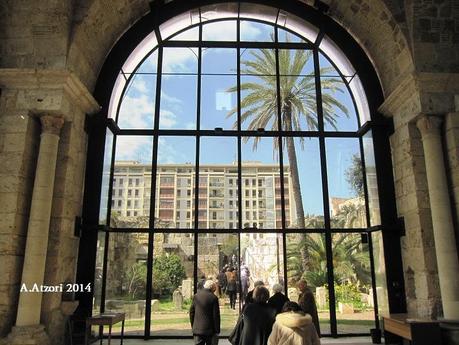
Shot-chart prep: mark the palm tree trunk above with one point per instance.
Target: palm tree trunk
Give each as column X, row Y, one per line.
column 296, row 190
column 294, row 175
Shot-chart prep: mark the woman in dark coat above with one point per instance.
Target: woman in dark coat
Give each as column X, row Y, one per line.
column 278, row 299
column 256, row 322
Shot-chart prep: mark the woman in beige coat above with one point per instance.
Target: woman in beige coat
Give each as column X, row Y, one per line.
column 293, row 327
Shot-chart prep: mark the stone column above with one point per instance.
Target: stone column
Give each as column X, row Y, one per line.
column 445, row 243
column 33, row 271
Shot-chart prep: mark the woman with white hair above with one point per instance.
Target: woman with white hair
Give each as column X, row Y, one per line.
column 278, row 300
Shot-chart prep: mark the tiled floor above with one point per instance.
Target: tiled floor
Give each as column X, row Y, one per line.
column 342, row 341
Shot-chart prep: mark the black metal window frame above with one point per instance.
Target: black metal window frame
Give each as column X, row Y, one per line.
column 321, row 134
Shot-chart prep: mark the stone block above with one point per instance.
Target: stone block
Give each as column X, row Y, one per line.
column 345, row 308
column 155, row 305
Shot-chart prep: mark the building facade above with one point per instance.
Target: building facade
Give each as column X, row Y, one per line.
column 54, row 78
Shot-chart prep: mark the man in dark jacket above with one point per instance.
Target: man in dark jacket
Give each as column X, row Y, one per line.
column 205, row 315
column 278, row 299
column 307, row 302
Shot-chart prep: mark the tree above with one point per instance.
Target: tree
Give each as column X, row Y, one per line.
column 168, row 272
column 136, row 277
column 350, row 262
column 297, row 103
column 354, row 175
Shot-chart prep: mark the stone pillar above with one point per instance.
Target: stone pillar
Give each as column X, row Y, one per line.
column 445, row 243
column 38, row 228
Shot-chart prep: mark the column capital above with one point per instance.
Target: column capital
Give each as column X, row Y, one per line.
column 429, row 124
column 51, row 124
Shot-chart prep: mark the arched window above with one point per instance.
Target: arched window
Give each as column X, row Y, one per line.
column 239, row 136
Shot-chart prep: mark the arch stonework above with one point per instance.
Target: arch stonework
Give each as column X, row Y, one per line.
column 50, row 58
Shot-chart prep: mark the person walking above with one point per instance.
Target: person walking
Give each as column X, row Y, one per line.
column 231, row 286
column 205, row 315
column 278, row 299
column 245, row 275
column 221, row 278
column 255, row 324
column 307, row 303
column 293, row 327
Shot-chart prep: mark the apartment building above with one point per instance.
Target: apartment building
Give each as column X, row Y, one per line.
column 218, row 195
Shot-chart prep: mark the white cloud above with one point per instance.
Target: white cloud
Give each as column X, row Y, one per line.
column 137, row 148
column 140, row 85
column 137, row 112
column 182, row 60
column 170, row 99
column 220, row 31
column 167, row 119
column 166, row 152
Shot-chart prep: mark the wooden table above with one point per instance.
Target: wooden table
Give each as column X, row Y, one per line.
column 108, row 319
column 418, row 331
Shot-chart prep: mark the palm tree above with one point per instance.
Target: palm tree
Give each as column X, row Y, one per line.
column 350, row 261
column 297, row 103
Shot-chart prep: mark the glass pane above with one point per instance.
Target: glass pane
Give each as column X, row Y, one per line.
column 296, row 62
column 218, row 106
column 218, row 183
column 187, row 35
column 345, row 183
column 175, row 182
column 303, row 183
column 217, row 103
column 178, row 102
column 258, row 103
column 126, row 280
column 262, row 258
column 256, row 32
column 261, row 191
column 172, row 289
column 298, row 90
column 219, row 31
column 219, row 61
column 352, row 276
column 257, row 11
column 106, row 177
column 132, row 182
column 216, row 254
column 307, row 260
column 298, row 25
column 180, row 60
column 219, row 11
column 137, row 109
column 98, row 272
column 286, row 36
column 380, row 274
column 259, row 62
column 338, row 106
column 372, row 182
column 150, row 65
column 258, row 89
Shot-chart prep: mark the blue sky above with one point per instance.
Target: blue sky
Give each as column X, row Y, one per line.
column 178, row 110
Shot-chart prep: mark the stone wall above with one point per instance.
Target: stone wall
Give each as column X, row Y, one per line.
column 418, row 248
column 18, row 154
